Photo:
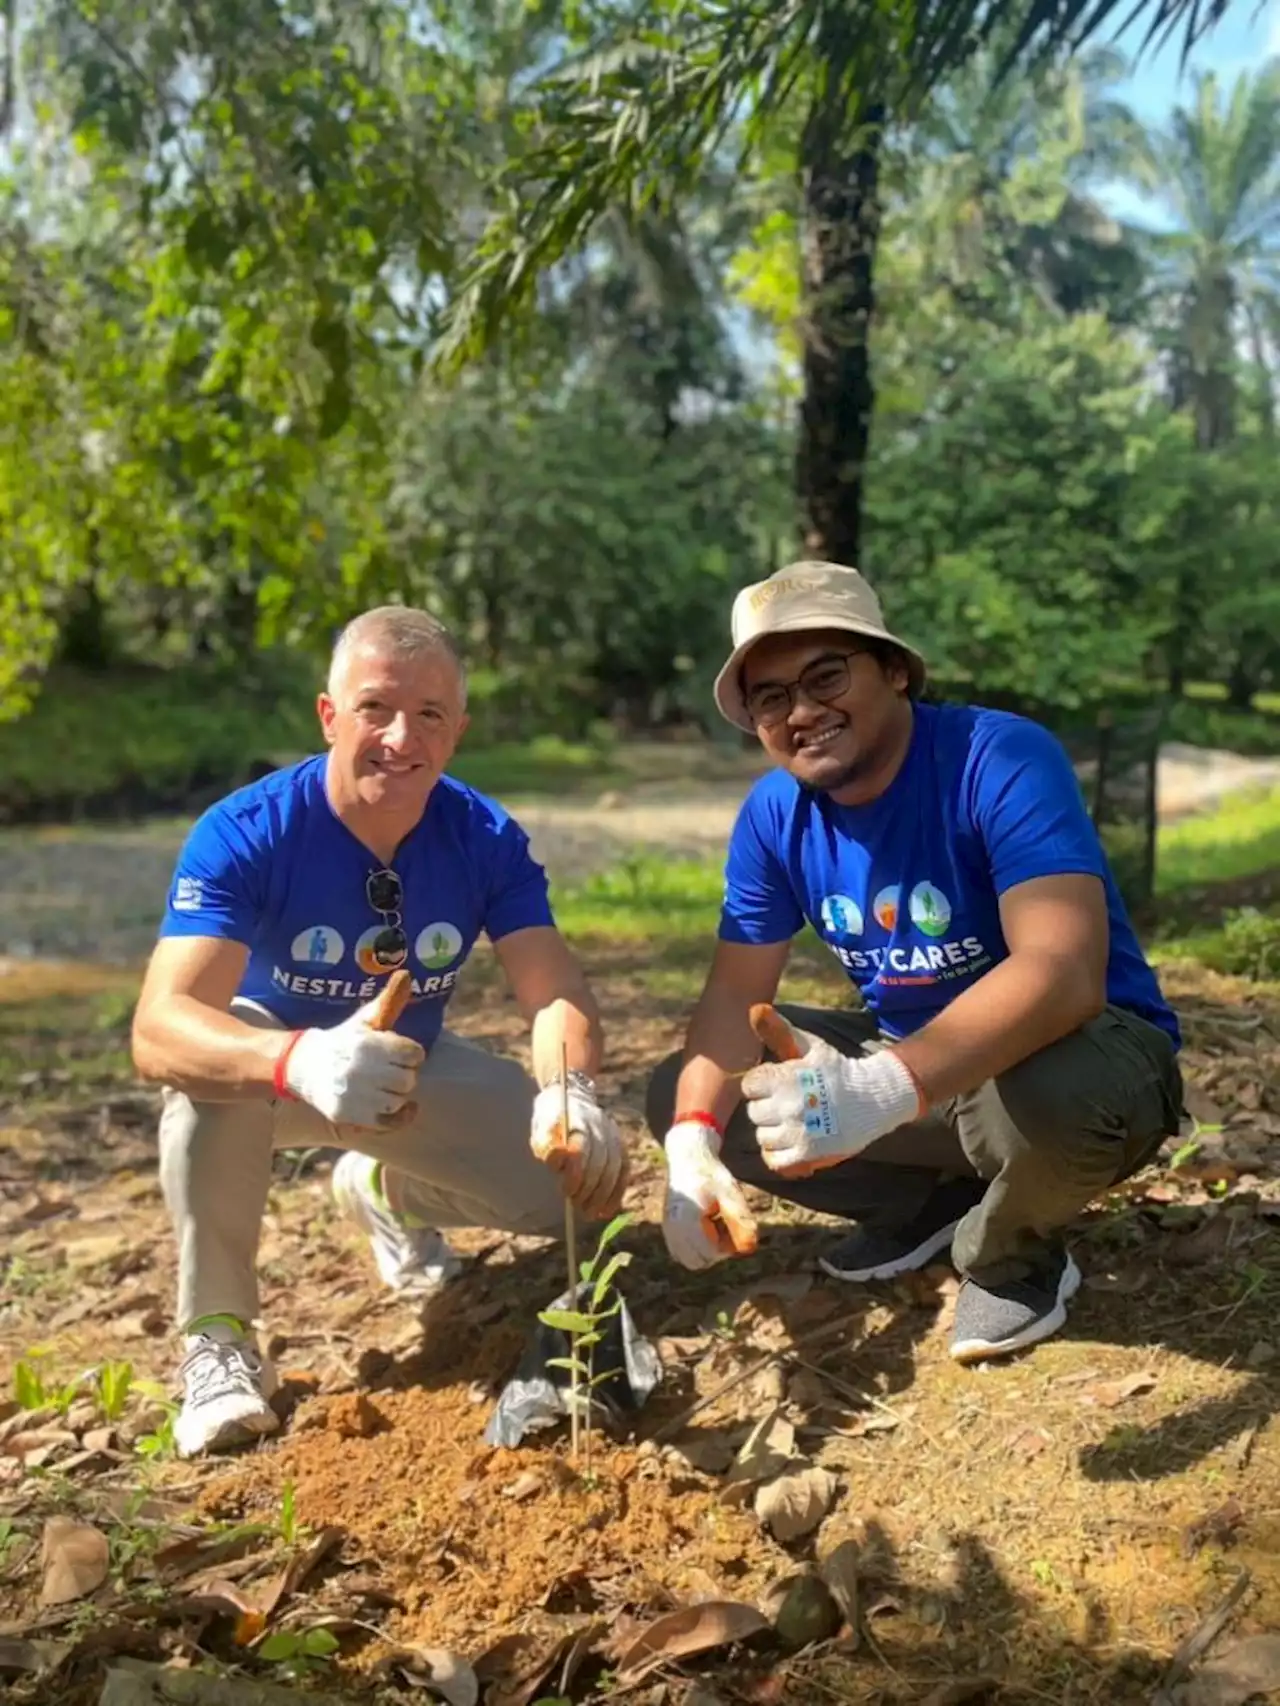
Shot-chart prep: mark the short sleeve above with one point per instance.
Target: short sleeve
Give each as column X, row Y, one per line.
column 1028, row 807
column 517, row 896
column 217, row 883
column 760, row 905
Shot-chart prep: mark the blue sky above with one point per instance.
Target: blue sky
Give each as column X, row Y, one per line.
column 1245, row 37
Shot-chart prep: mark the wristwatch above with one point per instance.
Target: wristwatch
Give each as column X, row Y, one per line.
column 577, row 1081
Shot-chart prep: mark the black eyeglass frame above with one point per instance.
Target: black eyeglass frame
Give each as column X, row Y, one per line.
column 385, row 894
column 790, row 688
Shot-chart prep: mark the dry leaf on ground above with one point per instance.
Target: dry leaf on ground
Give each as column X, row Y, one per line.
column 30, row 1656
column 1027, row 1443
column 683, row 1634
column 75, row 1558
column 1109, row 1393
column 1240, row 1672
column 794, row 1504
column 839, row 1570
column 766, row 1451
column 443, row 1672
column 964, row 1691
column 1217, row 1526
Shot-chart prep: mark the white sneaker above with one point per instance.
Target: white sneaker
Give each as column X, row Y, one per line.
column 414, row 1259
column 226, row 1384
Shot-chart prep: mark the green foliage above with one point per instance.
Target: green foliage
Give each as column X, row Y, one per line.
column 113, row 1382
column 1237, row 838
column 586, row 1323
column 298, row 1652
column 1249, row 945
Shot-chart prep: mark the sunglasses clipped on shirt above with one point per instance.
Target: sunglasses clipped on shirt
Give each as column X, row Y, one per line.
column 390, row 947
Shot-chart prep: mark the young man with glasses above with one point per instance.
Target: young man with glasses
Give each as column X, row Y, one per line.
column 291, row 902
column 1012, row 1056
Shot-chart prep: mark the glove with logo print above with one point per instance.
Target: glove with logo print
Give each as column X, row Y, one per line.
column 821, row 1109
column 353, row 1073
column 590, row 1159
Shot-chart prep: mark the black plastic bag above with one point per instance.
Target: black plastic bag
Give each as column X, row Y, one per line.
column 538, row 1396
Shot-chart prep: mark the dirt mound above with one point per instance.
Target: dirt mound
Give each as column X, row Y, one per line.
column 480, row 1542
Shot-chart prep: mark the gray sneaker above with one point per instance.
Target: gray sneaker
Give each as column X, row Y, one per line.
column 991, row 1322
column 882, row 1252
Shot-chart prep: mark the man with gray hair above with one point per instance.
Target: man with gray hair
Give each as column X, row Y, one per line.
column 264, row 1014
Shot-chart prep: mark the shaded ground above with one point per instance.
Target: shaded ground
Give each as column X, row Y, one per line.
column 1056, row 1525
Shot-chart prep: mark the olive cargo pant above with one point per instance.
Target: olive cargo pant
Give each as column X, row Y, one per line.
column 1048, row 1136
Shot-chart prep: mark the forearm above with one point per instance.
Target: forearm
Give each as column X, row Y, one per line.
column 209, row 1055
column 1022, row 1005
column 719, row 1048
column 571, row 1019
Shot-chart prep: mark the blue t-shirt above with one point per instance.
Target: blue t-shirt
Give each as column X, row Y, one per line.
column 905, row 890
column 273, row 867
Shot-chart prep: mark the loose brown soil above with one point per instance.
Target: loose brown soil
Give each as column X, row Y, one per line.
column 1057, row 1523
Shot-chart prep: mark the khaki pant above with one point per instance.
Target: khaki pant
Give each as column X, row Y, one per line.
column 465, row 1161
column 1049, row 1135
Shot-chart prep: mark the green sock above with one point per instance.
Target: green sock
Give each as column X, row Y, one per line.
column 377, row 1190
column 202, row 1321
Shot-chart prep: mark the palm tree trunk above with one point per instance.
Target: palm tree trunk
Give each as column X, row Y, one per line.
column 840, row 172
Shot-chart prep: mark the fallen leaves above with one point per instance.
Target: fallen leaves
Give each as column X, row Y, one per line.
column 1241, row 1671
column 794, row 1503
column 449, row 1677
column 75, row 1559
column 685, row 1633
column 1108, row 1393
column 1216, row 1526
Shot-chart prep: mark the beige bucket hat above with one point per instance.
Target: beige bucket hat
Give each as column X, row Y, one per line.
column 804, row 595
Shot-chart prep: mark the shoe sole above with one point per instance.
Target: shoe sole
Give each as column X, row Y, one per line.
column 980, row 1350
column 234, row 1432
column 904, row 1264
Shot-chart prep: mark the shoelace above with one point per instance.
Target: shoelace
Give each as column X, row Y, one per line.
column 214, row 1370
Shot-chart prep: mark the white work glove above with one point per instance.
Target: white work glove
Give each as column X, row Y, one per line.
column 354, row 1075
column 820, row 1110
column 704, row 1215
column 592, row 1163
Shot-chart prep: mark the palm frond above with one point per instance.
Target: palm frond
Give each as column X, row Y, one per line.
column 636, row 117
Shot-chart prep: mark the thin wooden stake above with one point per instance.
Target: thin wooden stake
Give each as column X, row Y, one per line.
column 571, row 1254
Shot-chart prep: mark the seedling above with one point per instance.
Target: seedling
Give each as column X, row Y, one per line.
column 288, row 1523
column 299, row 1651
column 115, row 1382
column 32, row 1392
column 598, row 1300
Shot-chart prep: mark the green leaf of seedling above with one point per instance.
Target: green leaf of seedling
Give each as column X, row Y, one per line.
column 613, row 1266
column 566, row 1320
column 319, row 1643
column 618, row 1224
column 282, row 1645
column 571, row 1363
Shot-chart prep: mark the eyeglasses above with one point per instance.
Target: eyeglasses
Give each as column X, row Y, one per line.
column 823, row 680
column 390, row 947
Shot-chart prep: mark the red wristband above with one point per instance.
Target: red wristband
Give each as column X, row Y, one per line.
column 277, row 1076
column 699, row 1116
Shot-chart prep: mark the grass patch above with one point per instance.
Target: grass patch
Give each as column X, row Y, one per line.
column 644, row 897
column 58, row 1048
column 1239, row 838
column 142, row 740
column 547, row 764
